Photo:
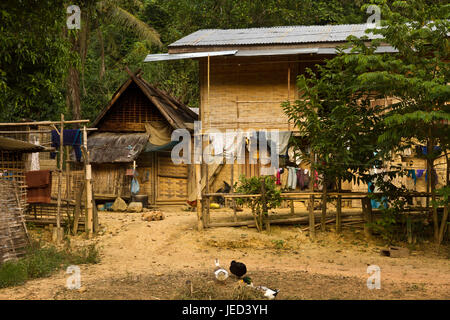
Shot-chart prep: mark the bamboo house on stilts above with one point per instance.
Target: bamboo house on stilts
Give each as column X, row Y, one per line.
column 245, row 77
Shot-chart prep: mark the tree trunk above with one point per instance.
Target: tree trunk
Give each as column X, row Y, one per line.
column 73, row 93
column 102, row 53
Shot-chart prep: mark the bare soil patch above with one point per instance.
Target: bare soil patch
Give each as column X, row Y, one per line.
column 154, row 260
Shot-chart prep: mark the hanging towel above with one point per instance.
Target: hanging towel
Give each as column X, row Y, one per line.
column 284, row 179
column 71, row 137
column 39, row 186
column 292, row 178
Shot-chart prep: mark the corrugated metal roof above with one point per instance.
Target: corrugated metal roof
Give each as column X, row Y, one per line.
column 179, row 56
column 273, row 35
column 263, row 52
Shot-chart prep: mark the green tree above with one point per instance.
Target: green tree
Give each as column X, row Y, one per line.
column 417, row 79
column 34, row 55
column 343, row 124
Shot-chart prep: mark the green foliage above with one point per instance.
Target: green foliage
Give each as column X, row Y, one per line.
column 259, row 205
column 253, row 185
column 33, row 60
column 43, row 261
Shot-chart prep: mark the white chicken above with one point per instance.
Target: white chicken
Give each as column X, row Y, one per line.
column 220, row 273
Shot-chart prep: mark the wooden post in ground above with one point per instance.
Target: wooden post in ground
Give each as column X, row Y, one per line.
column 367, row 216
column 89, row 210
column 312, row 223
column 198, row 178
column 232, row 191
column 208, row 199
column 264, row 202
column 339, row 210
column 291, row 204
column 204, row 209
column 324, row 205
column 409, row 228
column 77, row 214
column 94, row 215
column 58, row 232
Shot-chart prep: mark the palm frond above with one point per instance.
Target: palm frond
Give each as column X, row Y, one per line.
column 142, row 30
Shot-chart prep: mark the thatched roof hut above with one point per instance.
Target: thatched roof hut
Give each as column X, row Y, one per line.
column 136, row 125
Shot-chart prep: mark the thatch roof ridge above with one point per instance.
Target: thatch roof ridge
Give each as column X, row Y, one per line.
column 176, row 113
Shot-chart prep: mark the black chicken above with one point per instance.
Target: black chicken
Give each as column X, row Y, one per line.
column 238, row 269
column 226, row 188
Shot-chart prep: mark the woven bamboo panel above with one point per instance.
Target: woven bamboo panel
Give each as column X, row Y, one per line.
column 12, row 168
column 167, row 167
column 13, row 238
column 247, row 92
column 171, row 189
column 130, row 112
column 172, row 184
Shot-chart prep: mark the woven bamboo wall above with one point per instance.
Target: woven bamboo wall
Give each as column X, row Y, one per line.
column 13, row 238
column 247, row 92
column 12, row 167
column 172, row 184
column 130, row 112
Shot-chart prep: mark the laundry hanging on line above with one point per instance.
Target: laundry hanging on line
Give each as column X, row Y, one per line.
column 71, row 137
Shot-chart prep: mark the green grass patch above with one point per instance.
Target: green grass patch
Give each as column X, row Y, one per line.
column 41, row 262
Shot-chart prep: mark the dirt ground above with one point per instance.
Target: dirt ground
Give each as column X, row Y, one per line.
column 157, row 260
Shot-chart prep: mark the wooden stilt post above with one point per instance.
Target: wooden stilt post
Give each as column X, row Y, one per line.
column 58, row 232
column 339, row 209
column 89, row 210
column 324, row 205
column 291, row 204
column 264, row 202
column 312, row 223
column 409, row 228
column 198, row 178
column 208, row 199
column 232, row 191
column 367, row 216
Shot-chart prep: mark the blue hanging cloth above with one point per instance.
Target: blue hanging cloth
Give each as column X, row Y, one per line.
column 71, row 137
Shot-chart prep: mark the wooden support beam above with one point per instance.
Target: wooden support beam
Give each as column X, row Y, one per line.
column 312, row 223
column 41, row 123
column 58, row 231
column 339, row 209
column 367, row 217
column 198, row 179
column 89, row 192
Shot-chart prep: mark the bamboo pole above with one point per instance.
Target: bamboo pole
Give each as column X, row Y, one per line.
column 339, row 209
column 324, row 204
column 59, row 232
column 89, row 210
column 208, row 199
column 41, row 123
column 312, row 223
column 232, row 191
column 199, row 197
